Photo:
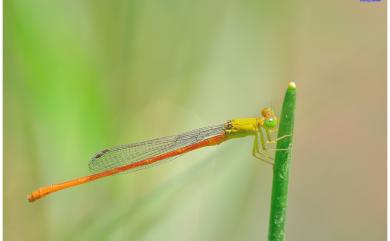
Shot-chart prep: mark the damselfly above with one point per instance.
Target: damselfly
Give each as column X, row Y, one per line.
column 133, row 157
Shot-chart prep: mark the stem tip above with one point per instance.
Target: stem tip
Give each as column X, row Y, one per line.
column 292, row 85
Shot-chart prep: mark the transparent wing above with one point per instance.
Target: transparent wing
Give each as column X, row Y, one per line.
column 126, row 154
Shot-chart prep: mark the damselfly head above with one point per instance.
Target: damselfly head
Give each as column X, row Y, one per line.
column 270, row 121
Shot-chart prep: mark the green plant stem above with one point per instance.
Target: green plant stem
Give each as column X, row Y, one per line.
column 282, row 167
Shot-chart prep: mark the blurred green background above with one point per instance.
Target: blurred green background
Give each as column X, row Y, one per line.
column 80, row 76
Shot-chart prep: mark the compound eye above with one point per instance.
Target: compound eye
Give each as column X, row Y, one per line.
column 266, row 112
column 270, row 123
